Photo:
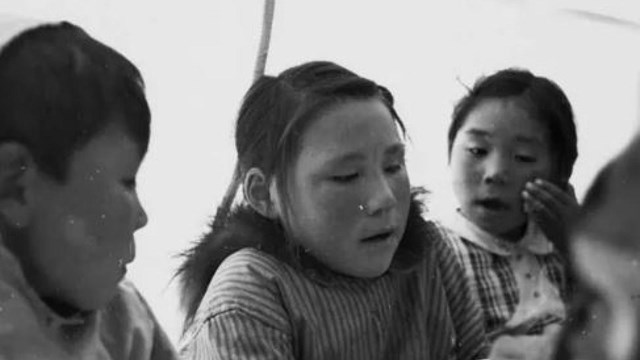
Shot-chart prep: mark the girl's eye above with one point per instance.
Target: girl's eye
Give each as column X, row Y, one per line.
column 477, row 151
column 344, row 179
column 526, row 159
column 395, row 168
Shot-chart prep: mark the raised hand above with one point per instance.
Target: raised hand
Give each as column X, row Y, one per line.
column 552, row 208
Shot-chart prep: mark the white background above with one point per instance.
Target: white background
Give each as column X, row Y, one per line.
column 197, row 59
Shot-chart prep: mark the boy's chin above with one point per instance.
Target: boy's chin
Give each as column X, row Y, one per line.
column 86, row 304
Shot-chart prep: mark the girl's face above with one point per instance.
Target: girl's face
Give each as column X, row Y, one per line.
column 349, row 190
column 495, row 152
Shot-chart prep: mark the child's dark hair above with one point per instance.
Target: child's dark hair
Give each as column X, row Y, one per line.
column 273, row 116
column 59, row 88
column 542, row 97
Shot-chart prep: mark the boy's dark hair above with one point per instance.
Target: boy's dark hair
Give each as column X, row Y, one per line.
column 59, row 88
column 273, row 117
column 542, row 97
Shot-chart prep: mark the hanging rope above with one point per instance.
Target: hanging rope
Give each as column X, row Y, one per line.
column 265, row 38
column 261, row 60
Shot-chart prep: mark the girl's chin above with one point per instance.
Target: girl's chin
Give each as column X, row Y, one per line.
column 512, row 230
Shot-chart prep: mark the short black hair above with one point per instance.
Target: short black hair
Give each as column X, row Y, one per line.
column 59, row 88
column 542, row 97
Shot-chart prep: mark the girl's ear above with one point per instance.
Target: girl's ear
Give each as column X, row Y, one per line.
column 17, row 170
column 258, row 193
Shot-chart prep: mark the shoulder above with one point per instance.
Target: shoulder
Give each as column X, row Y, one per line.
column 128, row 324
column 252, row 262
column 128, row 309
column 447, row 249
column 248, row 281
column 247, row 272
column 440, row 257
column 246, row 286
column 445, row 243
column 467, row 254
column 22, row 333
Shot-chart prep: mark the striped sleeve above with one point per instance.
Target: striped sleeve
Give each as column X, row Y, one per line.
column 465, row 309
column 464, row 257
column 236, row 334
column 242, row 316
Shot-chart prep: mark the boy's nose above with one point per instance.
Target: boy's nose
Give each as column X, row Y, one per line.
column 141, row 219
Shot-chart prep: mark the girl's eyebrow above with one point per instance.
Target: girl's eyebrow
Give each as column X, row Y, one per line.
column 478, row 133
column 395, row 149
column 346, row 158
column 524, row 139
column 529, row 140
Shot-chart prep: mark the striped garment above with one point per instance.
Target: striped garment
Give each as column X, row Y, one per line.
column 257, row 307
column 518, row 284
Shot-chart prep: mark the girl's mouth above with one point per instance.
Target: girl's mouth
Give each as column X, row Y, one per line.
column 381, row 237
column 493, row 204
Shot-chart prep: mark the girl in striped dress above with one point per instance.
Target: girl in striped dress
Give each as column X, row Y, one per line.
column 327, row 256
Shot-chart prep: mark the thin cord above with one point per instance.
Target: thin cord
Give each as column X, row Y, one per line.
column 265, row 39
column 261, row 61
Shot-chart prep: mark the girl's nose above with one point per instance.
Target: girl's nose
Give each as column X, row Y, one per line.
column 496, row 170
column 382, row 197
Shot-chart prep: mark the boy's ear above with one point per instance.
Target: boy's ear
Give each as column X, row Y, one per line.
column 16, row 169
column 257, row 192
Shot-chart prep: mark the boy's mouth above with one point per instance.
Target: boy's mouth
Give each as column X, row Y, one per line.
column 493, row 204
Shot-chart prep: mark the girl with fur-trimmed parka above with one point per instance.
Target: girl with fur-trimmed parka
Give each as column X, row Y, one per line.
column 328, row 256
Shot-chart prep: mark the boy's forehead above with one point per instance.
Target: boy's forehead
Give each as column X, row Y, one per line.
column 111, row 145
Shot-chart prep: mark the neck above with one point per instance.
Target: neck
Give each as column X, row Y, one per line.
column 63, row 309
column 514, row 235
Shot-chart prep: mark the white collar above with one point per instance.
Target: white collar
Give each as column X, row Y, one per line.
column 533, row 241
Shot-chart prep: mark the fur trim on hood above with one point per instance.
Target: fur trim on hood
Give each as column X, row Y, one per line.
column 244, row 228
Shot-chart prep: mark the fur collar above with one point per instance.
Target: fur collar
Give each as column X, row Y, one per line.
column 246, row 228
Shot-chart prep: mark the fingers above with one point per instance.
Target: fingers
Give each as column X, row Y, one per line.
column 551, row 208
column 564, row 203
column 549, row 223
column 566, row 197
column 538, row 200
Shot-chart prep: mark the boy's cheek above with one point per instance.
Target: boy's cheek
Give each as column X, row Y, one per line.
column 76, row 231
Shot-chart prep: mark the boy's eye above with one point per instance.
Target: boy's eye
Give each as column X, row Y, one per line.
column 526, row 158
column 343, row 179
column 129, row 183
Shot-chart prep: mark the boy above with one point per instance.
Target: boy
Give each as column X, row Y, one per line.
column 74, row 127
